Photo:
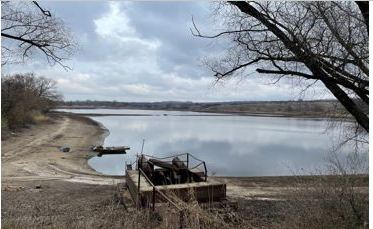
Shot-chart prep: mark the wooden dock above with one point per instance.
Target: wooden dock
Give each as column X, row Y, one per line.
column 205, row 191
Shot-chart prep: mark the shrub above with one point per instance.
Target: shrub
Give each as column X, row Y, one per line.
column 25, row 94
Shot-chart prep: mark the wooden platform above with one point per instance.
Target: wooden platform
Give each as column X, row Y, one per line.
column 208, row 191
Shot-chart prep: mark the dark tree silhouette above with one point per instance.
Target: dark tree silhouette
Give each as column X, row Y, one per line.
column 26, row 28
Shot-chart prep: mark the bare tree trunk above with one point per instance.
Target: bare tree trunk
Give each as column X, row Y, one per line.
column 311, row 61
column 349, row 104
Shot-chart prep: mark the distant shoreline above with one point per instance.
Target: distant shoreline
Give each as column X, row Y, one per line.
column 212, row 113
column 329, row 109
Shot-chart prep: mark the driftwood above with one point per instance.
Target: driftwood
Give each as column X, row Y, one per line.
column 110, row 150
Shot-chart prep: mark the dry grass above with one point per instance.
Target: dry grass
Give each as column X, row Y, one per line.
column 337, row 201
column 324, row 204
column 320, row 203
column 38, row 117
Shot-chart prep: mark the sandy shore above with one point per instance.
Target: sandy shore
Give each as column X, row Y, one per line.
column 43, row 187
column 33, row 154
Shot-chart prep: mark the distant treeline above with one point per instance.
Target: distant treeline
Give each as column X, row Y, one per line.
column 323, row 108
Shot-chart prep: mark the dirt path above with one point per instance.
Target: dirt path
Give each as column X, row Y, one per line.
column 34, row 154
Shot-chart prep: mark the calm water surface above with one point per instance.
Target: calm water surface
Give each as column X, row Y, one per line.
column 230, row 145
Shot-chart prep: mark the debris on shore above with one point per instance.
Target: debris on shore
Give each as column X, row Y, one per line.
column 110, row 150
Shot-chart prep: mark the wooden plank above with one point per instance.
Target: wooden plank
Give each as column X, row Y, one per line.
column 203, row 191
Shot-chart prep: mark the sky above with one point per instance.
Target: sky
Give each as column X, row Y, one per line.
column 144, row 51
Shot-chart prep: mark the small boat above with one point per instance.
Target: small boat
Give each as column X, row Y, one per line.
column 110, row 150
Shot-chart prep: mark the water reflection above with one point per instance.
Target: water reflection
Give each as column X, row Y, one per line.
column 231, row 145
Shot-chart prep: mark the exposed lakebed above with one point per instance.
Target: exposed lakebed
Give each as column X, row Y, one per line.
column 231, row 145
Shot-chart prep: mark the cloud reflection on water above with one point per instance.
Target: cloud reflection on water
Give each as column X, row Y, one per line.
column 230, row 145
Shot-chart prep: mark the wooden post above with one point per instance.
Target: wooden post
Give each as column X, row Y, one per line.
column 153, row 198
column 138, row 190
column 188, row 168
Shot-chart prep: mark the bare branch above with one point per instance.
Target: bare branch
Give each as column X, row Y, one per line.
column 322, row 41
column 25, row 30
column 45, row 12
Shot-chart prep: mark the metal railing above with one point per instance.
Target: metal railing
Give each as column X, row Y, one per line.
column 164, row 196
column 156, row 192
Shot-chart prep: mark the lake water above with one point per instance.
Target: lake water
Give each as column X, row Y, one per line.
column 230, row 145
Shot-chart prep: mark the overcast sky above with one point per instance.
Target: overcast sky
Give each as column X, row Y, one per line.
column 144, row 51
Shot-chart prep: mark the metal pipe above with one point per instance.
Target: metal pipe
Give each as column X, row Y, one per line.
column 204, row 164
column 142, row 147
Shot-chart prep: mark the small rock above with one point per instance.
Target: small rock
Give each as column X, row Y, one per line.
column 38, row 186
column 65, row 149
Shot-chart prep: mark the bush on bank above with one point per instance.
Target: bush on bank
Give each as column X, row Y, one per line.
column 25, row 98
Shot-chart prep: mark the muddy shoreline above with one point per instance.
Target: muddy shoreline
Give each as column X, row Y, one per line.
column 33, row 153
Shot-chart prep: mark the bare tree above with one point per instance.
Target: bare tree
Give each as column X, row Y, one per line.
column 23, row 94
column 26, row 29
column 323, row 42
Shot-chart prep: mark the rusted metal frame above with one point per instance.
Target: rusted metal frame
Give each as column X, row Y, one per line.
column 181, row 211
column 164, row 160
column 161, row 158
column 197, row 165
column 133, row 163
column 157, row 190
column 138, row 192
column 196, row 158
column 173, row 156
column 204, row 165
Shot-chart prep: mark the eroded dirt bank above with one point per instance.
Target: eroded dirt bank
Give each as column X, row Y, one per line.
column 43, row 187
column 33, row 154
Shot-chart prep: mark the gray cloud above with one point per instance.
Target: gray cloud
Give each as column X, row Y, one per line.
column 144, row 51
